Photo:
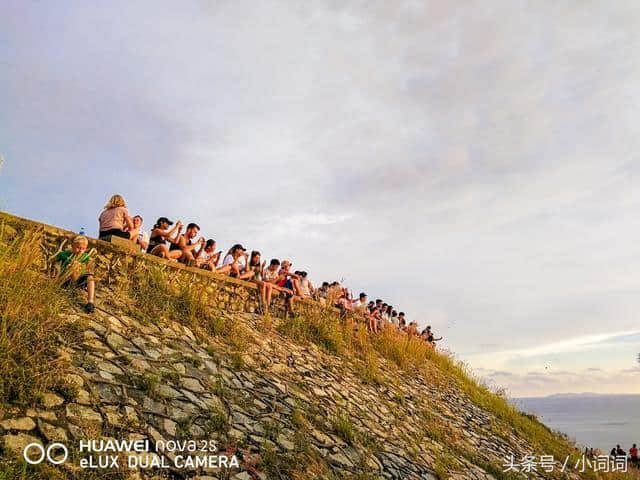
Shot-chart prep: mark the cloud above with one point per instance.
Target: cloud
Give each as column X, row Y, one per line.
column 571, row 345
column 633, row 371
column 475, row 172
column 535, row 383
column 499, row 373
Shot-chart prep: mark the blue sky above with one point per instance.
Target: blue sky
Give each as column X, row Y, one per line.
column 473, row 163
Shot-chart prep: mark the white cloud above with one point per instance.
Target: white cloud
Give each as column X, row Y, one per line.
column 476, row 172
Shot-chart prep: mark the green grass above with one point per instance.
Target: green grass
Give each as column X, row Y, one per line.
column 237, row 362
column 325, row 330
column 154, row 297
column 344, row 428
column 368, row 370
column 298, row 465
column 272, row 428
column 148, row 384
column 434, row 427
column 67, row 391
column 217, row 422
column 170, row 376
column 219, row 388
column 30, row 326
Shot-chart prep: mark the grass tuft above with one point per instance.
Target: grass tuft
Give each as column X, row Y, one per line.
column 344, row 428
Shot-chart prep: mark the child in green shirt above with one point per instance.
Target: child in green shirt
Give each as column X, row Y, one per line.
column 73, row 269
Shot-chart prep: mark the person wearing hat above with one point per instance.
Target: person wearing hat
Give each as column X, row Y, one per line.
column 231, row 264
column 160, row 235
column 289, row 280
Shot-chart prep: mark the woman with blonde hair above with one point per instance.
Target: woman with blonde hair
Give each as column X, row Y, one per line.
column 115, row 220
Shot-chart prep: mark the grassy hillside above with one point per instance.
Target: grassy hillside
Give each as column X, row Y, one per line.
column 428, row 394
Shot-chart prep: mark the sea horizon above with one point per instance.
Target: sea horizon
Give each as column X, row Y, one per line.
column 594, row 420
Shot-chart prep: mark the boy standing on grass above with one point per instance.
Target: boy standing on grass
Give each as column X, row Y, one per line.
column 73, row 269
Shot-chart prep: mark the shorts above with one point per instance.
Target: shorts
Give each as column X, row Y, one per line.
column 114, row 232
column 80, row 282
column 288, row 284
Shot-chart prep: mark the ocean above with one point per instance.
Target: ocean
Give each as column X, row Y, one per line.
column 598, row 421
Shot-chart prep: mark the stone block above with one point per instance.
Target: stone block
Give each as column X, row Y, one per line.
column 123, row 243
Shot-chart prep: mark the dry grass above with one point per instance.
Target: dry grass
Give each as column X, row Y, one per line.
column 30, row 326
column 31, row 331
column 345, row 337
column 154, row 298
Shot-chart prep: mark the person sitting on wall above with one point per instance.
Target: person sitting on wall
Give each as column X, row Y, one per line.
column 322, row 293
column 231, row 265
column 412, row 329
column 394, row 318
column 272, row 275
column 256, row 269
column 372, row 317
column 137, row 235
column 306, row 287
column 359, row 306
column 383, row 312
column 344, row 301
column 114, row 221
column 246, row 271
column 402, row 322
column 185, row 244
column 160, row 235
column 368, row 315
column 74, row 269
column 378, row 304
column 387, row 314
column 288, row 279
column 207, row 258
column 361, row 302
column 379, row 315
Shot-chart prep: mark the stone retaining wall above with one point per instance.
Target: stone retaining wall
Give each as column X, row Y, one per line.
column 114, row 264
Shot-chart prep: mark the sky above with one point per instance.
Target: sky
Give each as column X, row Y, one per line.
column 473, row 163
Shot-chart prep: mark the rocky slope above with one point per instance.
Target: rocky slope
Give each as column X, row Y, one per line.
column 278, row 398
column 252, row 393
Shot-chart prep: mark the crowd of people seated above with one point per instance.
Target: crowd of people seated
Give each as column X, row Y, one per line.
column 173, row 242
column 377, row 315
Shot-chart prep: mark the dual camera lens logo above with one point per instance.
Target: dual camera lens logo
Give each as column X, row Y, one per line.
column 34, row 453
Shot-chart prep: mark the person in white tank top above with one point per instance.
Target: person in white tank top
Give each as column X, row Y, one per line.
column 305, row 285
